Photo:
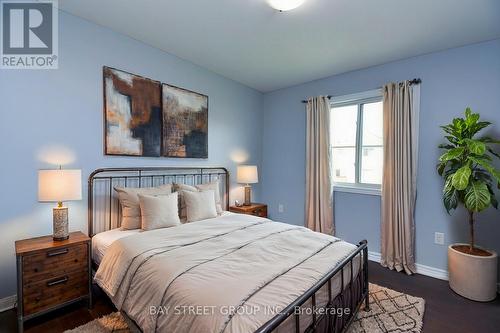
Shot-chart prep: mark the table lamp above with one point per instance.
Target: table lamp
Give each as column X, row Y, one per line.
column 247, row 174
column 58, row 186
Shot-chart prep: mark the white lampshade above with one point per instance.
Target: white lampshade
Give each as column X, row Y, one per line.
column 247, row 174
column 284, row 5
column 59, row 185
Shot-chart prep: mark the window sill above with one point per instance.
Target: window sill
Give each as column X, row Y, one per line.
column 357, row 190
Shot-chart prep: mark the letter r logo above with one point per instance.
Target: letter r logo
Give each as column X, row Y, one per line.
column 27, row 28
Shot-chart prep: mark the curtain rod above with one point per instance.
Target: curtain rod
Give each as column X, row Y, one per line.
column 414, row 81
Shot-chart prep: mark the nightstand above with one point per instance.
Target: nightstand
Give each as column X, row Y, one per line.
column 255, row 209
column 51, row 274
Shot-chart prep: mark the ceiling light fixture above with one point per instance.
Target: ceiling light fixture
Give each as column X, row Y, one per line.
column 284, row 5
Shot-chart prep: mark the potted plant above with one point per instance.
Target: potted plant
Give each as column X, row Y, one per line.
column 469, row 177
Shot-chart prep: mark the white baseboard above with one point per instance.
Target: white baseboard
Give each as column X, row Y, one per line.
column 374, row 256
column 437, row 273
column 7, row 303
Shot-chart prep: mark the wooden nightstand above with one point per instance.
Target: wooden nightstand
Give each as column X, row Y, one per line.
column 51, row 274
column 255, row 209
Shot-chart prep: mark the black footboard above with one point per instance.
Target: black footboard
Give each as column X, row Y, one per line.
column 351, row 297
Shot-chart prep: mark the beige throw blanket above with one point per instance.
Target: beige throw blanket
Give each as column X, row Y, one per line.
column 228, row 274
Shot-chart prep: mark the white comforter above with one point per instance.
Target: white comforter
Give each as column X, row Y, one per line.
column 227, row 274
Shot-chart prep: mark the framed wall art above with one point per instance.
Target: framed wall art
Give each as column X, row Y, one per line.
column 185, row 123
column 132, row 114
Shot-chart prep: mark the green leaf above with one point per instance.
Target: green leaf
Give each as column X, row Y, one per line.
column 452, row 139
column 482, row 161
column 452, row 154
column 449, row 172
column 487, row 139
column 482, row 157
column 460, row 179
column 448, row 129
column 471, row 118
column 445, row 146
column 450, row 196
column 494, row 201
column 468, row 112
column 475, row 147
column 440, row 168
column 481, row 175
column 453, row 168
column 479, row 126
column 458, row 124
column 477, row 197
column 485, row 164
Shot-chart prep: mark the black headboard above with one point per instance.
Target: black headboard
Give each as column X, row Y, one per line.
column 103, row 207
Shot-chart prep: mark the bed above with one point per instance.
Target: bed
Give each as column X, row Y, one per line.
column 232, row 273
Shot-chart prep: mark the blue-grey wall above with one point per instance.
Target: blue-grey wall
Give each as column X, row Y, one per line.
column 52, row 116
column 451, row 81
column 55, row 116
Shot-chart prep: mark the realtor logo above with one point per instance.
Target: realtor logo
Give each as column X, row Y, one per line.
column 29, row 34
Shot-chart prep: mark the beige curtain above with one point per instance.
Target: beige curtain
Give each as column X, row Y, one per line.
column 399, row 187
column 319, row 205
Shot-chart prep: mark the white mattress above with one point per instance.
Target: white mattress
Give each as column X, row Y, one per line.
column 102, row 241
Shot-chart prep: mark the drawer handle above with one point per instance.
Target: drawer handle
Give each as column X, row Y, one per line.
column 57, row 281
column 57, row 253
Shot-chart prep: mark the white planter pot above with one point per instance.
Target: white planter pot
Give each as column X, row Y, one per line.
column 473, row 277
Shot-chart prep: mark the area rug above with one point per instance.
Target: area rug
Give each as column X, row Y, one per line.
column 390, row 312
column 112, row 323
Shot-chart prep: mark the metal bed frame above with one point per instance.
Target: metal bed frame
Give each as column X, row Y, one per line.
column 104, row 214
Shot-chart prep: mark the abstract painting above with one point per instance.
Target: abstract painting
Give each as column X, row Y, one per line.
column 185, row 123
column 132, row 112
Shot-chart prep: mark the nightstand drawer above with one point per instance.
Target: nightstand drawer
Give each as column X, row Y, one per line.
column 261, row 211
column 48, row 263
column 58, row 289
column 254, row 209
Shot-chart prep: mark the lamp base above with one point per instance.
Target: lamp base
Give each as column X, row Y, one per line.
column 60, row 223
column 248, row 195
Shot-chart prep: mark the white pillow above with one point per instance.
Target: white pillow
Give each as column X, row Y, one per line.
column 215, row 187
column 129, row 200
column 200, row 205
column 181, row 188
column 159, row 211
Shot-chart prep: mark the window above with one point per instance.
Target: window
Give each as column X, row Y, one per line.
column 356, row 128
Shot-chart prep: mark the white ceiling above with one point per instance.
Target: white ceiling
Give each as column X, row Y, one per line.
column 249, row 42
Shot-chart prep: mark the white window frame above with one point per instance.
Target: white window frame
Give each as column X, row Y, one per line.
column 358, row 98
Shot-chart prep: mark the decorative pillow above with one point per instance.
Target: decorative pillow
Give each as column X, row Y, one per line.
column 215, row 187
column 200, row 205
column 201, row 187
column 181, row 188
column 159, row 211
column 129, row 200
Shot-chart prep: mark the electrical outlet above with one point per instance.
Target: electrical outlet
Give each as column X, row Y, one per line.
column 281, row 208
column 439, row 238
